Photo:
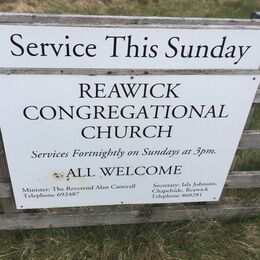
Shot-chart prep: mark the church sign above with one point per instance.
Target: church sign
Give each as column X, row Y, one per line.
column 78, row 140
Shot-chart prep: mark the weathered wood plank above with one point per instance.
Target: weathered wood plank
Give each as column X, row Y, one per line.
column 5, row 189
column 257, row 97
column 8, row 205
column 235, row 180
column 6, row 194
column 93, row 72
column 243, row 179
column 124, row 215
column 250, row 140
column 126, row 21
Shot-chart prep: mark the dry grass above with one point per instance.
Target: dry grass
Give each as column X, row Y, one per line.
column 248, row 160
column 198, row 239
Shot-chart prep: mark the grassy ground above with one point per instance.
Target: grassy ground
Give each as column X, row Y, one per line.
column 197, row 239
column 203, row 8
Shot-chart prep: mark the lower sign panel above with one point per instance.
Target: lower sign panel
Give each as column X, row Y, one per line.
column 104, row 140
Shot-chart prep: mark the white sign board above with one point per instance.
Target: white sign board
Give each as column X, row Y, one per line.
column 103, row 140
column 128, row 48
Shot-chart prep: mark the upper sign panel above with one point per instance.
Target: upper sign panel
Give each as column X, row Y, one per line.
column 128, row 48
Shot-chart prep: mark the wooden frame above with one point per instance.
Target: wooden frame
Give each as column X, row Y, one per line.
column 17, row 219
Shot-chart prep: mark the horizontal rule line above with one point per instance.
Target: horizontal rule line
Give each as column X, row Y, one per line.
column 79, row 71
column 250, row 140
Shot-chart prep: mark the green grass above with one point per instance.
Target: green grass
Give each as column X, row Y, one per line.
column 197, row 239
column 247, row 160
column 242, row 196
column 255, row 121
